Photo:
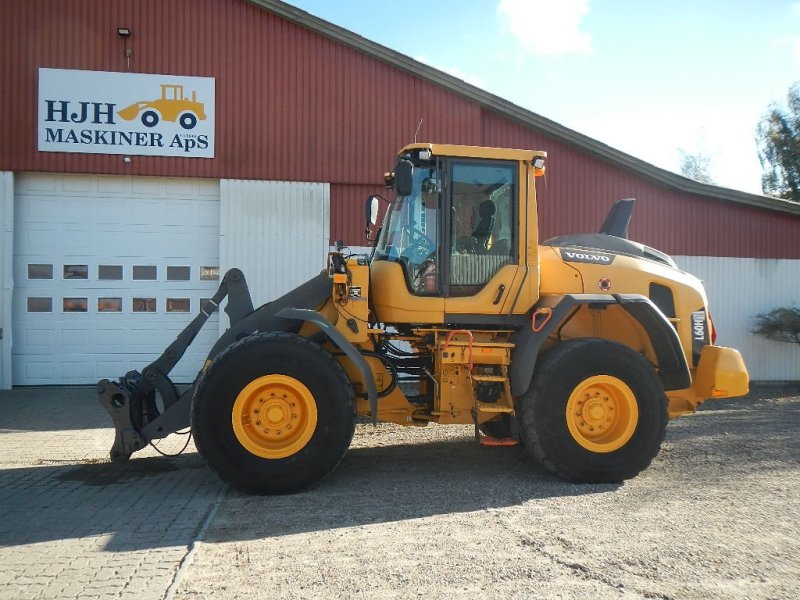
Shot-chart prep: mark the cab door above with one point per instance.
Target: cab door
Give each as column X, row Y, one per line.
column 482, row 269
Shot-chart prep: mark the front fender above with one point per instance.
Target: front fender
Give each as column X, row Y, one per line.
column 341, row 342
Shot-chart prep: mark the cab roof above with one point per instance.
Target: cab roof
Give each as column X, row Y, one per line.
column 475, row 152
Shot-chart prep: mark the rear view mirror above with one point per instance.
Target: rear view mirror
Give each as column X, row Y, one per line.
column 373, row 204
column 373, row 207
column 404, row 178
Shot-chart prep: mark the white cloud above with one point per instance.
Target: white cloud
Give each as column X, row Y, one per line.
column 796, row 9
column 454, row 71
column 548, row 26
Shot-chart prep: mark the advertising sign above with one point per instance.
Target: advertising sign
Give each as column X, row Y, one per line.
column 101, row 112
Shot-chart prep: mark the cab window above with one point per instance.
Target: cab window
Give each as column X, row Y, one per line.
column 410, row 235
column 482, row 223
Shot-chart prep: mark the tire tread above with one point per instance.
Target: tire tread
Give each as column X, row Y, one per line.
column 205, row 440
column 538, row 392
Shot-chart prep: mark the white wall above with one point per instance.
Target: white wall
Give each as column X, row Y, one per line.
column 6, row 274
column 276, row 232
column 740, row 288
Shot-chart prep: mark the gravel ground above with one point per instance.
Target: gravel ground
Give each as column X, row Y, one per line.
column 429, row 513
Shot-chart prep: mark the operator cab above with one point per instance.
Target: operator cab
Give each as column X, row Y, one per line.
column 450, row 239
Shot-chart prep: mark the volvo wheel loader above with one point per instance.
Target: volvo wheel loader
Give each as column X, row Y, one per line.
column 579, row 347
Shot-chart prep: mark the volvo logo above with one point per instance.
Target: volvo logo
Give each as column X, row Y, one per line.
column 583, row 256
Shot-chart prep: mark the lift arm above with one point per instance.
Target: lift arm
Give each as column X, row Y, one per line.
column 131, row 400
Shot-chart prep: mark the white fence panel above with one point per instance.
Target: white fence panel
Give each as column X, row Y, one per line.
column 276, row 232
column 6, row 274
column 740, row 288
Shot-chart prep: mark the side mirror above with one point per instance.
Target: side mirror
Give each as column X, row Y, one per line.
column 373, row 205
column 404, row 178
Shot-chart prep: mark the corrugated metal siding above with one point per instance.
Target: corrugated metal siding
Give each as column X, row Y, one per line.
column 578, row 190
column 276, row 232
column 348, row 213
column 294, row 105
column 740, row 288
column 291, row 105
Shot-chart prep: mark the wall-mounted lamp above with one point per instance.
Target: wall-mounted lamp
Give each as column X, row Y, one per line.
column 124, row 33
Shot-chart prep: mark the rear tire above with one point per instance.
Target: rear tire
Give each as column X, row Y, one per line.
column 273, row 414
column 596, row 412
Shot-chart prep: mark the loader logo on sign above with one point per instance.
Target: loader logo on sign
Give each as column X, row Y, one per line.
column 172, row 106
column 126, row 113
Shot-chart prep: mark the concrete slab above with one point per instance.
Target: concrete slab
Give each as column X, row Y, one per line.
column 411, row 512
column 74, row 525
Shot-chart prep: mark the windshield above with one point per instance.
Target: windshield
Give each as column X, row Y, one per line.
column 411, row 229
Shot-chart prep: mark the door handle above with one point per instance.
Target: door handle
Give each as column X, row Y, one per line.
column 500, row 291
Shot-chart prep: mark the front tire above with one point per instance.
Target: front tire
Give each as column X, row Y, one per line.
column 273, row 414
column 596, row 412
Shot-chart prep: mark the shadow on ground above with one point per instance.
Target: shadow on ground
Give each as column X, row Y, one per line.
column 159, row 501
column 152, row 502
column 146, row 503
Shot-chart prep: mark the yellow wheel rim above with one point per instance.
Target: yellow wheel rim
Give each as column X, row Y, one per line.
column 602, row 413
column 274, row 416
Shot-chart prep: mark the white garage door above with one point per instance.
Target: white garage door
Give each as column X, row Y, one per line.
column 107, row 271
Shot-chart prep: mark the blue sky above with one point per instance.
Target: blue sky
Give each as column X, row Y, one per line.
column 648, row 78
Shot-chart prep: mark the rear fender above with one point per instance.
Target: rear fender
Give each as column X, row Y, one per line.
column 671, row 361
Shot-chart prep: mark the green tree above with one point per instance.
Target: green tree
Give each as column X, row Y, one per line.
column 696, row 166
column 780, row 324
column 778, row 136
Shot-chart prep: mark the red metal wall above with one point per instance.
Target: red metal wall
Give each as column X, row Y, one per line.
column 578, row 190
column 293, row 105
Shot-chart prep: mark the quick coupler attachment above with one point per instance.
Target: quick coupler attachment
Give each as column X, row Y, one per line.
column 123, row 402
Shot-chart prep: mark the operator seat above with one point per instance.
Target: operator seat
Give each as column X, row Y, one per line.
column 483, row 230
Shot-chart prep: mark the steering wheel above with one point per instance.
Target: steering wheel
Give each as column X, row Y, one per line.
column 420, row 245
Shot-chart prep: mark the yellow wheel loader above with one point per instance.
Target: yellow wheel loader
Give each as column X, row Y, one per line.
column 579, row 347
